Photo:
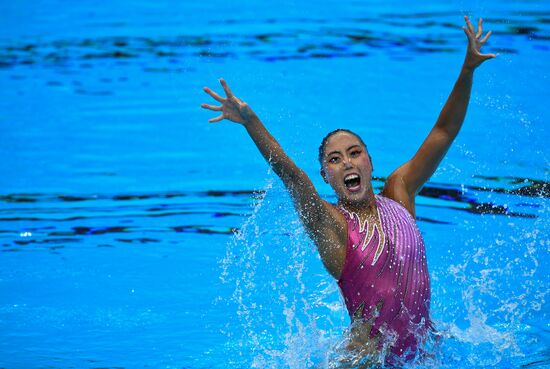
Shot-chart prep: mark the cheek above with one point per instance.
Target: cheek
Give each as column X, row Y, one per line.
column 366, row 162
column 330, row 174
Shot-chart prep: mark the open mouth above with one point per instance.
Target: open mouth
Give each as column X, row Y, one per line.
column 352, row 182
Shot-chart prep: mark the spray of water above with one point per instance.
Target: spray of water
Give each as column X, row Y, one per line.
column 289, row 314
column 288, row 310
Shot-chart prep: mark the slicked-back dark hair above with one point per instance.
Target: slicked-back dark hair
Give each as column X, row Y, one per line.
column 329, row 135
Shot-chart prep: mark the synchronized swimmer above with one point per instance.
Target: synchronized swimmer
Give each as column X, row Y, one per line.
column 369, row 243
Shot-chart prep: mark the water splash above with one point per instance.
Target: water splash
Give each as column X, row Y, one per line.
column 288, row 310
column 289, row 313
column 503, row 284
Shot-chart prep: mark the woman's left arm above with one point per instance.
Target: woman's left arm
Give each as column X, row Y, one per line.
column 405, row 182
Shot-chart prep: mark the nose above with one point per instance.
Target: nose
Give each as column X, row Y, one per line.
column 347, row 163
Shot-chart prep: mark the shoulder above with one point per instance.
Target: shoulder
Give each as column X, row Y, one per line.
column 338, row 224
column 328, row 229
column 395, row 189
column 331, row 239
column 336, row 215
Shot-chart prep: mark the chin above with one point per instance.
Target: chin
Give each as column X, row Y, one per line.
column 354, row 197
column 351, row 198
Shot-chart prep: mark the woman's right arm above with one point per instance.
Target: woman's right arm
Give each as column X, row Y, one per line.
column 323, row 222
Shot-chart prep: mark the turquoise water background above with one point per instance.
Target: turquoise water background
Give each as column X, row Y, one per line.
column 135, row 234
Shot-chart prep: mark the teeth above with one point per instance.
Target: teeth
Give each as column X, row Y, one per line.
column 350, row 177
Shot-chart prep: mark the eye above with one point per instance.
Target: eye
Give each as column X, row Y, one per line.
column 355, row 153
column 334, row 160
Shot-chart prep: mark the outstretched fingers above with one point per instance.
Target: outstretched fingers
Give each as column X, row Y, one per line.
column 469, row 25
column 211, row 107
column 468, row 34
column 214, row 95
column 226, row 88
column 217, row 119
column 470, row 30
column 231, row 107
column 485, row 38
column 476, row 39
column 214, row 107
column 479, row 28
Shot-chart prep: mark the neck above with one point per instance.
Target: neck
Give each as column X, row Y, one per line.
column 364, row 208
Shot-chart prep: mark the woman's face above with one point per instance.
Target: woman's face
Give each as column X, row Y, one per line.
column 347, row 167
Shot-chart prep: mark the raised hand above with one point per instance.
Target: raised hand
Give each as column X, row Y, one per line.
column 231, row 107
column 474, row 57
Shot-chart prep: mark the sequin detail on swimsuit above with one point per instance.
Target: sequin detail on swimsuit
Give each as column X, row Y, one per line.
column 388, row 268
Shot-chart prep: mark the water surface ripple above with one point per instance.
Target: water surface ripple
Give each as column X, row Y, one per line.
column 53, row 221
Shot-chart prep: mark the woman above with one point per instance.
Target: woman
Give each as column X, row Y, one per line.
column 369, row 243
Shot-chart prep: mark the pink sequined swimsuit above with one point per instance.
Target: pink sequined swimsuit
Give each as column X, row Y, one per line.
column 389, row 268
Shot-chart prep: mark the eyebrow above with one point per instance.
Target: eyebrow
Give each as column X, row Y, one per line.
column 348, row 149
column 334, row 152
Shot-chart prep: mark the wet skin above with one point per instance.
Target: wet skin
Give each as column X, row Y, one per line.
column 345, row 156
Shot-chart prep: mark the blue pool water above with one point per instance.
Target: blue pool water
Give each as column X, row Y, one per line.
column 135, row 234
